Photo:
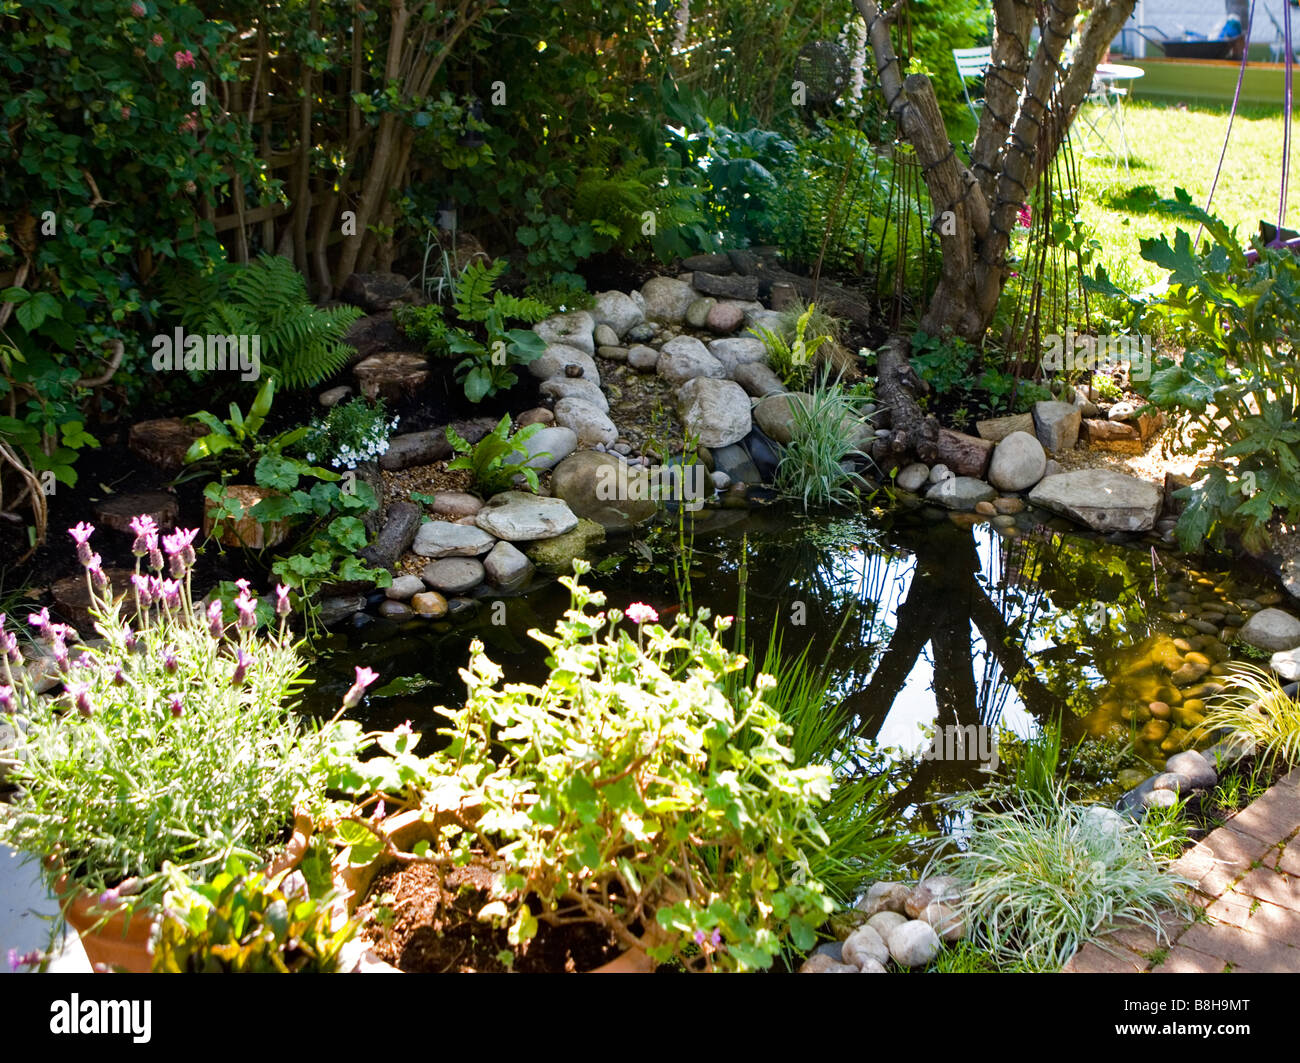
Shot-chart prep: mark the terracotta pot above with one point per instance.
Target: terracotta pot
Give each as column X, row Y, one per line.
column 407, row 829
column 121, row 942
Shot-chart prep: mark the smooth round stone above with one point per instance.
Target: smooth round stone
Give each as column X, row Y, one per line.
column 457, row 504
column 641, row 333
column 461, row 608
column 1009, row 505
column 605, row 336
column 940, row 473
column 430, row 604
column 927, row 891
column 720, row 479
column 985, row 509
column 946, row 921
column 1169, row 780
column 885, row 923
column 440, row 538
column 1159, row 710
column 884, row 897
column 864, row 943
column 820, row 963
column 914, row 944
column 643, row 359
column 403, row 588
column 698, row 312
column 913, row 477
column 724, row 318
column 1159, row 799
column 870, row 966
column 1271, row 629
column 537, row 415
column 614, row 354
column 1004, row 522
column 1195, row 767
column 520, row 517
column 453, row 575
column 393, row 610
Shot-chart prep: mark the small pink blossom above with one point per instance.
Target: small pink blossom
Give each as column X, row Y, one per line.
column 365, row 677
column 1025, row 216
column 137, row 9
column 184, row 59
column 247, row 609
column 282, row 607
column 125, row 112
column 216, row 625
column 176, row 704
column 7, row 699
column 242, row 661
column 640, row 613
column 156, row 40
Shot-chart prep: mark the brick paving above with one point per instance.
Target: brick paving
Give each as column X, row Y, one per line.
column 1246, row 877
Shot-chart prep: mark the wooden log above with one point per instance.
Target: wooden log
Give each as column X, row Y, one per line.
column 1115, row 437
column 964, row 455
column 163, row 442
column 391, row 375
column 118, row 511
column 996, row 429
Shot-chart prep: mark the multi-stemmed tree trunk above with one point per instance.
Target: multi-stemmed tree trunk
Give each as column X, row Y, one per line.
column 1030, row 101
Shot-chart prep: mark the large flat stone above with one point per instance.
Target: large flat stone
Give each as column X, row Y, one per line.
column 520, row 517
column 1101, row 499
column 442, row 539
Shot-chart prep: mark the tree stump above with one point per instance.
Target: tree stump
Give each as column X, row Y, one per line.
column 246, row 531
column 164, row 442
column 118, row 512
column 391, row 375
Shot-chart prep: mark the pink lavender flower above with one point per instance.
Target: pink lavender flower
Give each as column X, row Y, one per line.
column 17, row 959
column 170, row 592
column 119, row 676
column 176, row 704
column 247, row 608
column 40, row 621
column 184, row 59
column 156, row 40
column 137, row 9
column 242, row 661
column 180, row 548
column 129, row 639
column 282, row 607
column 640, row 613
column 381, row 810
column 110, row 898
column 81, row 698
column 365, row 677
column 95, row 569
column 170, row 662
column 6, row 698
column 144, row 589
column 243, row 586
column 9, row 643
column 216, row 625
column 146, row 535
column 403, row 728
column 82, row 533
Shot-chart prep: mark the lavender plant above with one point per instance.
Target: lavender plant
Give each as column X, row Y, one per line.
column 171, row 743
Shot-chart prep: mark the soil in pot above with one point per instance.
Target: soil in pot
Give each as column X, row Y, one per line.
column 434, row 927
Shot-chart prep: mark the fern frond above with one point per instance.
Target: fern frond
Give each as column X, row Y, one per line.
column 474, row 289
column 529, row 311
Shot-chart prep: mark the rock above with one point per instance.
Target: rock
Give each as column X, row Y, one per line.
column 723, row 318
column 1104, row 500
column 424, row 448
column 1112, row 436
column 929, row 890
column 1159, row 799
column 686, row 358
column 590, row 423
column 997, row 429
column 336, row 608
column 537, row 415
column 642, row 333
column 117, row 511
column 960, row 493
column 643, row 359
column 833, row 949
column 456, row 504
column 573, row 329
column 870, row 966
column 1018, row 462
column 667, row 299
column 459, row 609
column 784, row 295
column 520, row 517
column 1057, row 425
column 401, row 522
column 391, row 375
column 438, row 539
column 964, row 455
column 731, row 464
column 864, row 943
column 604, row 336
column 758, row 318
column 333, row 396
column 1009, row 505
column 1123, row 411
column 1272, row 630
column 735, row 351
column 715, row 411
column 758, row 379
column 453, row 575
column 430, row 604
column 913, row 477
column 1286, row 663
column 939, row 473
column 945, row 919
column 727, row 287
column 376, row 292
column 164, row 442
column 1053, row 468
column 395, row 610
column 820, row 963
column 557, row 554
column 698, row 312
column 562, row 387
column 558, row 358
column 914, row 944
column 614, row 354
column 775, row 414
column 403, row 588
column 712, row 262
column 1170, row 780
column 547, row 448
column 617, row 311
column 1081, row 398
column 884, row 897
column 507, row 568
column 592, row 483
column 885, row 922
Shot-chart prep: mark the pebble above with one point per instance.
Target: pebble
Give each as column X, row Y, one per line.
column 430, row 603
column 940, row 473
column 395, row 610
column 864, row 943
column 914, row 944
column 884, row 897
column 885, row 923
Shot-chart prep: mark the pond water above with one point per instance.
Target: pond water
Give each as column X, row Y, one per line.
column 927, row 623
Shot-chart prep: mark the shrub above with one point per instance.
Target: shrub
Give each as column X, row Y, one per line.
column 173, row 742
column 496, row 459
column 1254, row 708
column 352, row 432
column 629, row 791
column 790, row 353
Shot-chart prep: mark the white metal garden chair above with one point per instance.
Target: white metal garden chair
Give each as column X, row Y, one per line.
column 972, row 65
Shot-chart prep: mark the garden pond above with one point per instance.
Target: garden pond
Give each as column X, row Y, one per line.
column 928, row 622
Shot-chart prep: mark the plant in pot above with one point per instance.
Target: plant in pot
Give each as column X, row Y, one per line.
column 636, row 790
column 170, row 744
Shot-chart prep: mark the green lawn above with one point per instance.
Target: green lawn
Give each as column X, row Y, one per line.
column 1179, row 148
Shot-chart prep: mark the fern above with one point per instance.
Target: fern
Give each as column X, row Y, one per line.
column 492, row 460
column 473, row 288
column 301, row 344
column 529, row 311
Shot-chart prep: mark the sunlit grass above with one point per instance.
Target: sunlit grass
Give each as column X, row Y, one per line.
column 1254, row 708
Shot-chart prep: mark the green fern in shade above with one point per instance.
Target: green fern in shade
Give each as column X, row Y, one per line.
column 301, row 343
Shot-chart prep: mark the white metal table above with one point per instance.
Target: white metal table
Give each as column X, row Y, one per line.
column 1107, row 126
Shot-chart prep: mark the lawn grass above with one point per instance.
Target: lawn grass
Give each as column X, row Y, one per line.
column 1175, row 147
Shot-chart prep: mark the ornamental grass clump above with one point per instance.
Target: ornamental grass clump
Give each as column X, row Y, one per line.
column 630, row 791
column 172, row 741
